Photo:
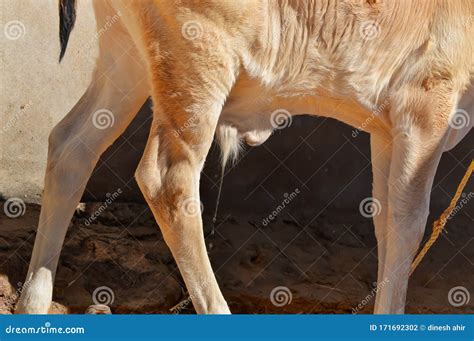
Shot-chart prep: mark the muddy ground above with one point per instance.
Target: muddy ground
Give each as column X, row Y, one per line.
column 328, row 265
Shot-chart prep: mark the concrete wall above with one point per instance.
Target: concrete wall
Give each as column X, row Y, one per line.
column 319, row 157
column 37, row 91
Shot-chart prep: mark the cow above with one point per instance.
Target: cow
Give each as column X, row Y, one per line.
column 223, row 68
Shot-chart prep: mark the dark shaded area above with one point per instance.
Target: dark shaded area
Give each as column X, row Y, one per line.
column 328, row 264
column 318, row 156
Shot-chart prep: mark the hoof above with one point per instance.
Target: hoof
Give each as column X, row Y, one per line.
column 98, row 309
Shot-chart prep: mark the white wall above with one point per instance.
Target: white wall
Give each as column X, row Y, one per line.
column 37, row 91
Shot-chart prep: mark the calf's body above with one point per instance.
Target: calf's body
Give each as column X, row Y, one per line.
column 232, row 69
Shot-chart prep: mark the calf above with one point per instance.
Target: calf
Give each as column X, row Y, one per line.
column 231, row 69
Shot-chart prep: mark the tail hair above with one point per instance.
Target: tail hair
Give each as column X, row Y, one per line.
column 67, row 18
column 229, row 142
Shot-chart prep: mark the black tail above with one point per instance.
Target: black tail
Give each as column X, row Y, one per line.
column 67, row 18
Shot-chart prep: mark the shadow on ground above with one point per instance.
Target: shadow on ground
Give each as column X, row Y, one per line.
column 328, row 265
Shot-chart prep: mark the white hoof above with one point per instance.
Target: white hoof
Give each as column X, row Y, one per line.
column 36, row 294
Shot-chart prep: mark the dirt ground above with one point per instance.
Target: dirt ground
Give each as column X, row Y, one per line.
column 328, row 265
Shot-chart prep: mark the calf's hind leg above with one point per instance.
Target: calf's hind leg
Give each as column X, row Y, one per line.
column 75, row 145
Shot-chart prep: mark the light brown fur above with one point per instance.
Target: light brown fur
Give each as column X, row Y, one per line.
column 251, row 58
